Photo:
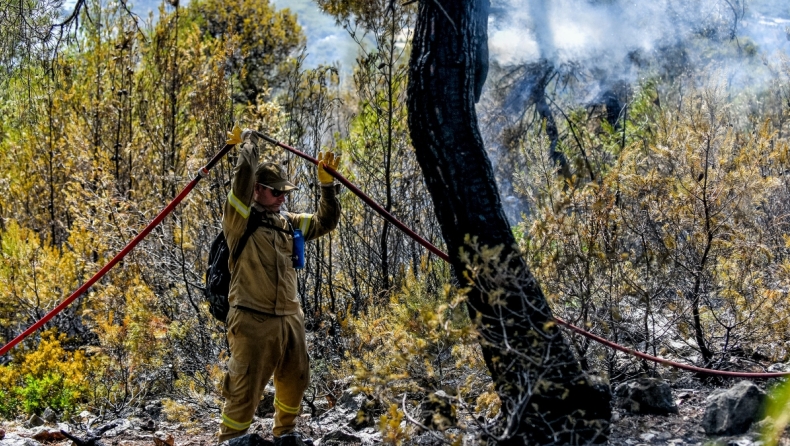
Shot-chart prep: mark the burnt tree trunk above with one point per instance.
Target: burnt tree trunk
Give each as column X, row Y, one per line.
column 546, row 397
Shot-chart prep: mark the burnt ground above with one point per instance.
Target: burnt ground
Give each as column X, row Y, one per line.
column 683, row 428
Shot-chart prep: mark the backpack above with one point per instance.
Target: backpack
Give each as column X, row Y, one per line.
column 218, row 273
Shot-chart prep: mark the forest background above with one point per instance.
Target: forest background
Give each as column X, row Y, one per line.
column 648, row 184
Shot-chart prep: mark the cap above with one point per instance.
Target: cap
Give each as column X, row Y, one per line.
column 271, row 175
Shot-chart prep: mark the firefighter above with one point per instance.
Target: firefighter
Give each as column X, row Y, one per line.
column 265, row 324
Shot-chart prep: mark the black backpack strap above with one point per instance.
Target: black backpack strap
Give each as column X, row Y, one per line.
column 252, row 224
column 287, row 231
column 255, row 221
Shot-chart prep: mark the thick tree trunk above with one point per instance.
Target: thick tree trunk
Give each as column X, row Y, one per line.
column 546, row 398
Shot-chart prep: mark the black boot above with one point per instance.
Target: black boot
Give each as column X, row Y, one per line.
column 293, row 439
column 249, row 440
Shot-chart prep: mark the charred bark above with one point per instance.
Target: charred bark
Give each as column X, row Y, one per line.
column 528, row 88
column 546, row 397
column 537, row 76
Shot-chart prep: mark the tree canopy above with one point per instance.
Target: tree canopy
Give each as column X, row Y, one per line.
column 263, row 37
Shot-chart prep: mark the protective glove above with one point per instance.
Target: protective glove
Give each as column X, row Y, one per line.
column 234, row 136
column 330, row 160
column 249, row 135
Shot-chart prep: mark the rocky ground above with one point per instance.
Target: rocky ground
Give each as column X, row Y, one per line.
column 339, row 425
column 683, row 428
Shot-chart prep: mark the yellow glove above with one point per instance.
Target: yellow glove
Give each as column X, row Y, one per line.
column 330, row 160
column 234, row 136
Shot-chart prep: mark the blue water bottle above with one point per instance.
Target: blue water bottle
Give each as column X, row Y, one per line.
column 298, row 253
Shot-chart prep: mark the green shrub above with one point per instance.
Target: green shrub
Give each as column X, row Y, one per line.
column 46, row 377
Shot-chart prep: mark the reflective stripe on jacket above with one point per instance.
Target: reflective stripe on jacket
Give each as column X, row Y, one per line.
column 263, row 277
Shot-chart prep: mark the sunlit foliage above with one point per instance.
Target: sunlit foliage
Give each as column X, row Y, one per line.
column 670, row 234
column 49, row 376
column 265, row 39
column 679, row 247
column 776, row 411
column 430, row 347
column 98, row 146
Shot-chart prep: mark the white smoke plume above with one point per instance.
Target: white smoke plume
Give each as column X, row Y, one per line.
column 608, row 36
column 604, row 44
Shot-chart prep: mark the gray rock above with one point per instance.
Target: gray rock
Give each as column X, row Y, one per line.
column 732, row 411
column 148, row 425
column 342, row 422
column 649, row 436
column 646, row 396
column 16, row 440
column 655, row 437
column 35, row 421
column 367, row 414
column 119, row 426
column 49, row 415
column 335, row 418
column 351, row 401
column 355, row 410
column 153, row 410
column 370, row 436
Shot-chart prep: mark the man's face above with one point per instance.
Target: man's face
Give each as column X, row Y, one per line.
column 265, row 197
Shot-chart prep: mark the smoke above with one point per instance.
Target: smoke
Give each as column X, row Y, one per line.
column 593, row 50
column 614, row 38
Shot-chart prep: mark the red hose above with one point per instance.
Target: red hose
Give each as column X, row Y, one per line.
column 667, row 362
column 169, row 208
column 369, row 201
column 389, row 217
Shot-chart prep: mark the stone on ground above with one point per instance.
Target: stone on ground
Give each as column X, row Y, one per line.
column 16, row 440
column 645, row 396
column 732, row 411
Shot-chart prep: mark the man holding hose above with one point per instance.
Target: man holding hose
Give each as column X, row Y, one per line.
column 265, row 323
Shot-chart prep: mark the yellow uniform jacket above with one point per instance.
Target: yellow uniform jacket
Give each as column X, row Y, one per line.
column 263, row 278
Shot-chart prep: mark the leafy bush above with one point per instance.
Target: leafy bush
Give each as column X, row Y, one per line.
column 430, row 346
column 48, row 391
column 678, row 247
column 181, row 413
column 50, row 376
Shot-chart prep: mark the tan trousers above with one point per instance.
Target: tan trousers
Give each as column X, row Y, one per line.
column 262, row 345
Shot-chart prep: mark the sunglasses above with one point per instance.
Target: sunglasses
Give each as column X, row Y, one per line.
column 275, row 193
